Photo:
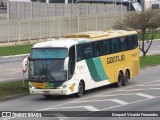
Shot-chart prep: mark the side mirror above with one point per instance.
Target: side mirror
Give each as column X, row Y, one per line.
column 66, row 63
column 25, row 64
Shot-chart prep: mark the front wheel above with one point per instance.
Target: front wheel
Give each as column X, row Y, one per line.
column 80, row 89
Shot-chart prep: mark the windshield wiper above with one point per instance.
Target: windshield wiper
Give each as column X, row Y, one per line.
column 51, row 75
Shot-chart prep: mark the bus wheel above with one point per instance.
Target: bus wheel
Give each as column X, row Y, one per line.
column 120, row 80
column 80, row 89
column 126, row 78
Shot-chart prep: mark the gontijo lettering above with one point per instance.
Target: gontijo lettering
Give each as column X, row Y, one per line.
column 115, row 59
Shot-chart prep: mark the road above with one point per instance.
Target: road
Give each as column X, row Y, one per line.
column 10, row 67
column 141, row 94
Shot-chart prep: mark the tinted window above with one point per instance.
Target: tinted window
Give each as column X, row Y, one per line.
column 132, row 42
column 123, row 44
column 115, row 45
column 84, row 51
column 97, row 48
column 106, row 47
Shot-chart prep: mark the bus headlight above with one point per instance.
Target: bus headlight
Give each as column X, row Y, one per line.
column 62, row 86
column 32, row 87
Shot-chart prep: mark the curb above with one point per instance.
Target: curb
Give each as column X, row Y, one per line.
column 4, row 99
column 12, row 56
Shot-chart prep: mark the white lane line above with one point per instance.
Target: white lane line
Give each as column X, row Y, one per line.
column 145, row 95
column 132, row 90
column 96, row 95
column 119, row 101
column 91, row 108
column 140, row 89
column 151, row 85
column 127, row 104
column 115, row 95
column 113, row 100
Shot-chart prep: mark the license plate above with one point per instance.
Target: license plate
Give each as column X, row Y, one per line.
column 46, row 92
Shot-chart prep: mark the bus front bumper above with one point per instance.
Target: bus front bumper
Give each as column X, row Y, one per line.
column 49, row 91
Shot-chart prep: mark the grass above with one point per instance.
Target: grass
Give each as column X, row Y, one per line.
column 150, row 60
column 15, row 50
column 13, row 88
column 156, row 37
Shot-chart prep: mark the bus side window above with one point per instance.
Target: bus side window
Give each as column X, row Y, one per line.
column 132, row 42
column 135, row 41
column 115, row 43
column 123, row 44
column 106, row 47
column 97, row 46
column 87, row 52
column 84, row 51
column 129, row 43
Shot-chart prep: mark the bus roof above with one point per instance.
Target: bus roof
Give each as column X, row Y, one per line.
column 62, row 42
column 83, row 37
column 94, row 35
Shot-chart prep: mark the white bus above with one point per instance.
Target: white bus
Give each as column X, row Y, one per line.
column 83, row 61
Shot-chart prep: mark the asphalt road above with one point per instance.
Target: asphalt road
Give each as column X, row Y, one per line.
column 141, row 94
column 10, row 67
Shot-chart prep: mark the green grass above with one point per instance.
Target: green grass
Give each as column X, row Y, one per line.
column 150, row 60
column 15, row 50
column 156, row 37
column 13, row 88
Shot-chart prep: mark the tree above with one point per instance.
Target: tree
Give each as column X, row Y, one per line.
column 147, row 25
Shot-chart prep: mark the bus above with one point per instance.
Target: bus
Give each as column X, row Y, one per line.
column 83, row 61
column 131, row 5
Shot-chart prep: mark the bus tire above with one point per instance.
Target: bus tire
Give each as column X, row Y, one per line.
column 126, row 78
column 80, row 89
column 120, row 80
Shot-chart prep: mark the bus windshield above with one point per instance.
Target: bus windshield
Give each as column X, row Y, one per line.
column 48, row 53
column 47, row 65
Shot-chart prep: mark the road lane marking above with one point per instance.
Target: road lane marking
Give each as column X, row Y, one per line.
column 113, row 100
column 151, row 85
column 119, row 101
column 90, row 108
column 96, row 95
column 140, row 89
column 128, row 104
column 145, row 95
